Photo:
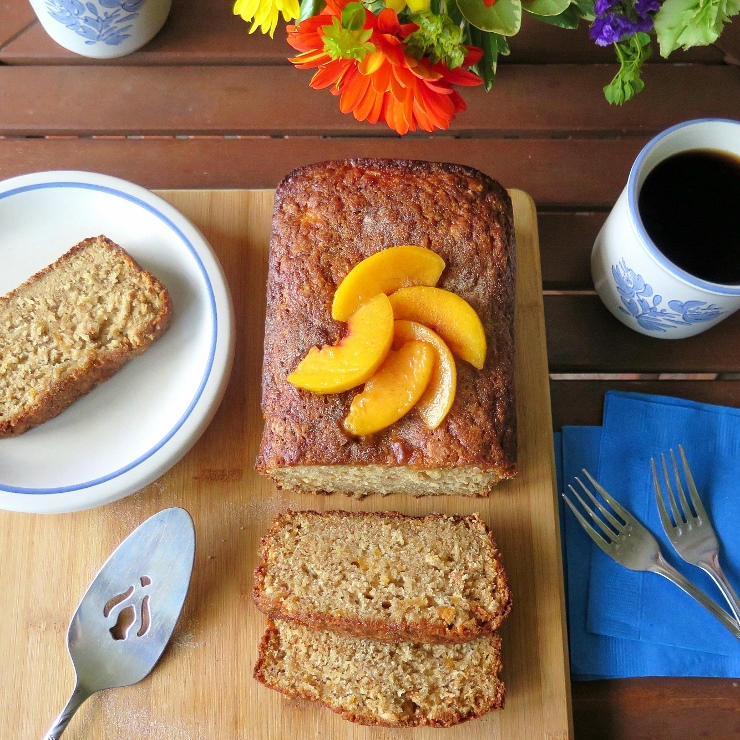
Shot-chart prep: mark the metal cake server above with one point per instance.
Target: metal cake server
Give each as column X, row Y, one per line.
column 128, row 614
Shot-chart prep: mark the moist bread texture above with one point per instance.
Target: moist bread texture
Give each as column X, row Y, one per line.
column 375, row 683
column 385, row 575
column 327, row 218
column 72, row 326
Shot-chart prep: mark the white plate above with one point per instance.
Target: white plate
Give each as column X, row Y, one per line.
column 130, row 430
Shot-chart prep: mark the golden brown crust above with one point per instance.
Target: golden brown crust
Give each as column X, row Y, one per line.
column 386, row 629
column 98, row 368
column 327, row 218
column 270, row 646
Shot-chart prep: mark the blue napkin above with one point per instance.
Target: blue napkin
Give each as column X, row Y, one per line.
column 639, row 644
column 644, row 606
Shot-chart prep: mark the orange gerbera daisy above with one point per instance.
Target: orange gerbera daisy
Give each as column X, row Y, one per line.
column 372, row 74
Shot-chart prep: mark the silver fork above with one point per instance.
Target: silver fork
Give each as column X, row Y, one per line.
column 633, row 546
column 691, row 533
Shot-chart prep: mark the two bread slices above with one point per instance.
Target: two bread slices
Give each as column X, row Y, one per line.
column 384, row 618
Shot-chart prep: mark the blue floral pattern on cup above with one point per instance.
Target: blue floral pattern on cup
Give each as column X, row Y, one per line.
column 104, row 23
column 640, row 302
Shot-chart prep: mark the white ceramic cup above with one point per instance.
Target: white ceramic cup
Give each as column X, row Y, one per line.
column 102, row 29
column 633, row 278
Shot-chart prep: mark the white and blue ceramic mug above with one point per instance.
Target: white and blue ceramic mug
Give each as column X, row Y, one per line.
column 637, row 282
column 102, row 29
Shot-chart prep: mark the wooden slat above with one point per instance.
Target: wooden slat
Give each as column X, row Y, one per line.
column 15, row 15
column 582, row 336
column 527, row 100
column 729, row 43
column 209, row 33
column 657, row 708
column 582, row 401
column 566, row 240
column 562, row 172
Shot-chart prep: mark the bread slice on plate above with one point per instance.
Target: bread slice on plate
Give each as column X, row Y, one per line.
column 385, row 575
column 72, row 326
column 376, row 683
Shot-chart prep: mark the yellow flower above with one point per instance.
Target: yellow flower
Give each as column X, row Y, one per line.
column 415, row 6
column 264, row 14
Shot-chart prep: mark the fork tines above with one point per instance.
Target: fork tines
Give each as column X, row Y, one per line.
column 609, row 533
column 685, row 515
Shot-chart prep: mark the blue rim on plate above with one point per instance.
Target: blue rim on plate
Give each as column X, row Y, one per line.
column 205, row 392
column 211, row 349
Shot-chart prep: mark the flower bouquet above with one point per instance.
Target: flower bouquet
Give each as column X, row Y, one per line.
column 400, row 61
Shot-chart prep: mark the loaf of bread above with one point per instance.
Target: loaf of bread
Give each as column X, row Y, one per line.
column 387, row 576
column 376, row 683
column 72, row 326
column 327, row 218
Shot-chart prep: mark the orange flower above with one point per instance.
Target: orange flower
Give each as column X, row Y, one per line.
column 381, row 81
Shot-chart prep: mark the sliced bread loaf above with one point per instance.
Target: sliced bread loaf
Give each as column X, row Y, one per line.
column 385, row 575
column 72, row 326
column 328, row 217
column 376, row 683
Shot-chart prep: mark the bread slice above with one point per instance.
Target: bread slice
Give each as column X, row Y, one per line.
column 376, row 683
column 72, row 326
column 385, row 575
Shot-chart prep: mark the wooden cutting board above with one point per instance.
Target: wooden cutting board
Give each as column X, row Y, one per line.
column 203, row 688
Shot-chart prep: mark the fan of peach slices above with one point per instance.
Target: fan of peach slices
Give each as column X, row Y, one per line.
column 403, row 334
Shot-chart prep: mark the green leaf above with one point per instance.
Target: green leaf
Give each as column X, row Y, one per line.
column 353, row 16
column 585, row 8
column 492, row 45
column 450, row 7
column 503, row 17
column 687, row 23
column 374, row 6
column 545, row 7
column 631, row 52
column 570, row 17
column 310, row 8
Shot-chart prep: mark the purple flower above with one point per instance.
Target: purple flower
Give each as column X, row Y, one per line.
column 601, row 6
column 619, row 19
column 643, row 7
column 611, row 28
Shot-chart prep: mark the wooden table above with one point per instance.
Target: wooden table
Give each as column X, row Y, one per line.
column 206, row 105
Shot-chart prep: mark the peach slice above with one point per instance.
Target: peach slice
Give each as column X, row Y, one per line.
column 440, row 393
column 452, row 317
column 384, row 272
column 393, row 390
column 354, row 359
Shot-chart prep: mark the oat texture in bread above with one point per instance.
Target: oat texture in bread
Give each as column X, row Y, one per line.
column 327, row 218
column 385, row 575
column 376, row 683
column 72, row 326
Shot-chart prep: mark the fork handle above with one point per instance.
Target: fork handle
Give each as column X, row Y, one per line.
column 668, row 571
column 712, row 568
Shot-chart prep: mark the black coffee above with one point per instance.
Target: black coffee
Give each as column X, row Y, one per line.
column 690, row 207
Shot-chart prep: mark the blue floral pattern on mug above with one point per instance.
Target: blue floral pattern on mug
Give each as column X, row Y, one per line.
column 640, row 302
column 105, row 24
